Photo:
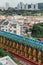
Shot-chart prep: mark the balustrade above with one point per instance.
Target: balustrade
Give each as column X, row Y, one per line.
column 34, row 55
column 30, row 52
column 39, row 57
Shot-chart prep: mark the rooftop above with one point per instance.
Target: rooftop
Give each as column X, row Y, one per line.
column 23, row 40
column 41, row 39
column 7, row 61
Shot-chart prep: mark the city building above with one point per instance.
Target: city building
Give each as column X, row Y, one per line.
column 36, row 6
column 6, row 6
column 26, row 6
column 18, row 24
column 7, row 61
column 29, row 19
column 14, row 26
column 32, row 7
column 40, row 6
column 22, row 6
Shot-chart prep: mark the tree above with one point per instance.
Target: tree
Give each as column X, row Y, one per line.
column 37, row 30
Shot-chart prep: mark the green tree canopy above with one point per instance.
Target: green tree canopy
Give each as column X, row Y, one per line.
column 37, row 30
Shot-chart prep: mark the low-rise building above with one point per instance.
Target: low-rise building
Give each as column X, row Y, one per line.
column 7, row 61
column 14, row 26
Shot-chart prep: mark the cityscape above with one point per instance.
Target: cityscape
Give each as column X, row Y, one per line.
column 23, row 6
column 21, row 33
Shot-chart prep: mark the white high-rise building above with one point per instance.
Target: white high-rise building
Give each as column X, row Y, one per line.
column 6, row 6
column 36, row 6
column 32, row 6
column 20, row 6
column 26, row 6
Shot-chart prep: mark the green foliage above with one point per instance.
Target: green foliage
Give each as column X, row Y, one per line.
column 11, row 11
column 5, row 53
column 37, row 30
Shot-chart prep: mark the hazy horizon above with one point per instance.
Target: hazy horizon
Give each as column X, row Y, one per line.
column 14, row 3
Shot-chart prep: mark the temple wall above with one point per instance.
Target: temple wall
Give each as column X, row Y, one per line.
column 22, row 50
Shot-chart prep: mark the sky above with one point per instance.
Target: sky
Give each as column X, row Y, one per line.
column 14, row 3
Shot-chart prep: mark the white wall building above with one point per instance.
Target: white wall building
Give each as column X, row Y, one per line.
column 13, row 26
column 7, row 61
column 6, row 5
column 36, row 6
column 32, row 6
column 26, row 6
column 20, row 6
